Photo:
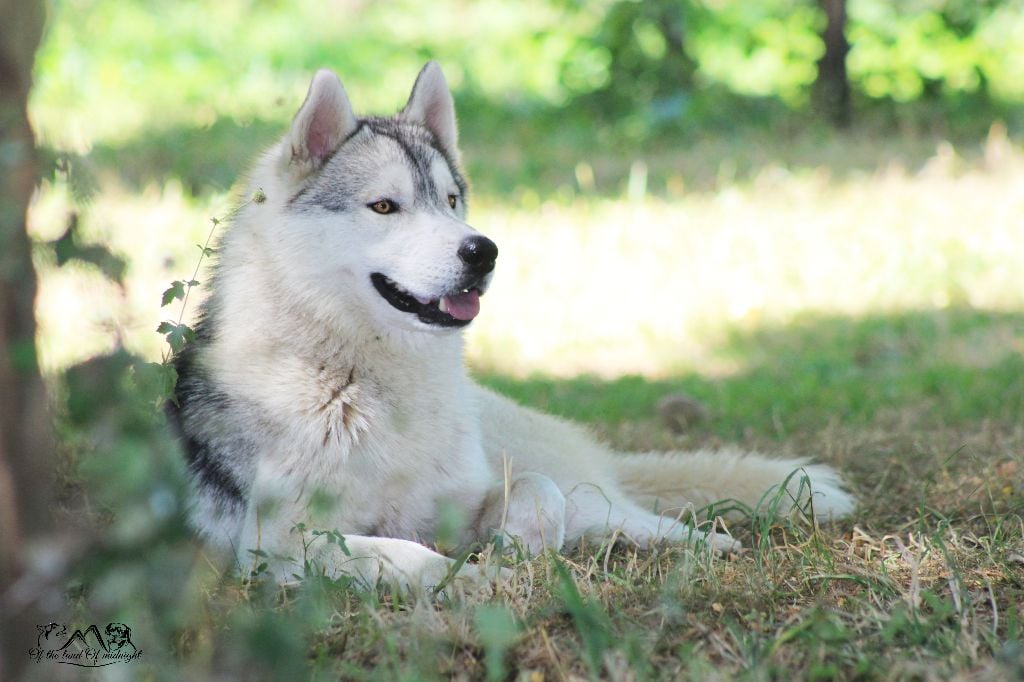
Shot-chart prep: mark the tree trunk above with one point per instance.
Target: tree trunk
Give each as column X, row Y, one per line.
column 26, row 448
column 671, row 19
column 832, row 89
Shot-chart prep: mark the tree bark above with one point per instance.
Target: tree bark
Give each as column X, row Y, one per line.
column 832, row 88
column 26, row 445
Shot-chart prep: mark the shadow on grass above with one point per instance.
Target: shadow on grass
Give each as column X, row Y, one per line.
column 946, row 368
column 511, row 154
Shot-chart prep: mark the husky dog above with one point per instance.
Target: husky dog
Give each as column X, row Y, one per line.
column 326, row 386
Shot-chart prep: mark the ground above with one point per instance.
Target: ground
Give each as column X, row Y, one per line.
column 855, row 297
column 868, row 319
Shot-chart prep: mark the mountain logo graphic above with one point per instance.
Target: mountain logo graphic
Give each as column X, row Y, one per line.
column 88, row 648
column 84, row 642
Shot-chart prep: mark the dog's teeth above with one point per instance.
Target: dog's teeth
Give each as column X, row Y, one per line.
column 442, row 305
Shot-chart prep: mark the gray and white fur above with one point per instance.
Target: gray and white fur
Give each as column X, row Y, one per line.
column 326, row 385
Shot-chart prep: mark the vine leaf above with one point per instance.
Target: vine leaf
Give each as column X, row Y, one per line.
column 175, row 293
column 176, row 333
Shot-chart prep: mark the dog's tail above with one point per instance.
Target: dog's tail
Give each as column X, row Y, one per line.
column 734, row 482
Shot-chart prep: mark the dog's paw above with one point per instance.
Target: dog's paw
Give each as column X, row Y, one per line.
column 535, row 519
column 472, row 581
column 721, row 543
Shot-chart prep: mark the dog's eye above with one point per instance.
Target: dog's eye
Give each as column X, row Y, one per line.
column 452, row 200
column 384, row 206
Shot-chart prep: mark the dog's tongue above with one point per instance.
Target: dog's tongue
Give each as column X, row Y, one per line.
column 463, row 306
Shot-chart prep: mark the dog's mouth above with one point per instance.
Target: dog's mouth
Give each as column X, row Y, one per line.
column 451, row 310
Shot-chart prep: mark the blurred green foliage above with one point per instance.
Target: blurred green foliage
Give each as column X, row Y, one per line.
column 111, row 68
column 933, row 48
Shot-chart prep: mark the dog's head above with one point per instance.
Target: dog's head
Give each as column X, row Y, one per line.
column 118, row 634
column 375, row 209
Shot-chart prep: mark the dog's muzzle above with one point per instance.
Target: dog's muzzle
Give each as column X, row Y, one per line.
column 454, row 309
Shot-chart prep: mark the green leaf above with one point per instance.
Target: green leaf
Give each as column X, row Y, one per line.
column 177, row 335
column 498, row 631
column 175, row 292
column 155, row 381
column 169, row 379
column 588, row 617
column 339, row 540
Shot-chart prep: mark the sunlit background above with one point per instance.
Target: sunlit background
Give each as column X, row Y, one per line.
column 656, row 174
column 686, row 202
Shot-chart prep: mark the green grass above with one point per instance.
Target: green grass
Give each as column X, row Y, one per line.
column 852, row 370
column 835, row 314
column 925, row 580
column 841, row 315
column 854, row 297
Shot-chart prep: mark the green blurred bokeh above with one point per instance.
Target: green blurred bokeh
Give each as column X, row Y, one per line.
column 143, row 75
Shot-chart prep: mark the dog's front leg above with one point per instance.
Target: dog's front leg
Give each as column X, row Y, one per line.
column 406, row 565
column 373, row 561
column 530, row 511
column 293, row 550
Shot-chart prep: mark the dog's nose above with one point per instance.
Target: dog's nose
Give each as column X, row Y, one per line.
column 479, row 253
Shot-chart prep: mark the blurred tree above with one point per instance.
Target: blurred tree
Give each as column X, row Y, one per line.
column 952, row 51
column 25, row 441
column 649, row 64
column 832, row 88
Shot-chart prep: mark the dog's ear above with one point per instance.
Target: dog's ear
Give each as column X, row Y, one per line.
column 431, row 105
column 322, row 124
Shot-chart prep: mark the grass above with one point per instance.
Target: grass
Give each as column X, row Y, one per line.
column 876, row 334
column 927, row 588
column 856, row 297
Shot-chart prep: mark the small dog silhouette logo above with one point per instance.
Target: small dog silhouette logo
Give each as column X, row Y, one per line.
column 57, row 630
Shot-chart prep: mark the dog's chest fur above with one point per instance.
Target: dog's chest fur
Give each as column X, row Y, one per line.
column 372, row 427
